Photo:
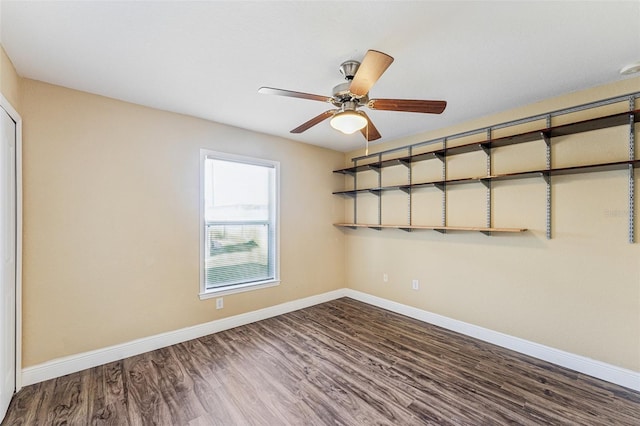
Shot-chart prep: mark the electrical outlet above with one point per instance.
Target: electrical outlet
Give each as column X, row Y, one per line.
column 385, row 278
column 219, row 303
column 415, row 284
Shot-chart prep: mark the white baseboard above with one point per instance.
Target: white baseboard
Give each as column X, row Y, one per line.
column 73, row 363
column 610, row 373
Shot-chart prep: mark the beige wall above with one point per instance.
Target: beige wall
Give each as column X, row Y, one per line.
column 9, row 80
column 578, row 292
column 111, row 234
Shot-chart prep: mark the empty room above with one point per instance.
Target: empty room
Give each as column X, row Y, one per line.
column 319, row 213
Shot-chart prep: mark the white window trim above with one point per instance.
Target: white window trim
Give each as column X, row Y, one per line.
column 242, row 287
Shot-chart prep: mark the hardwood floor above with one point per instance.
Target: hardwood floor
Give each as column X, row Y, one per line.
column 341, row 362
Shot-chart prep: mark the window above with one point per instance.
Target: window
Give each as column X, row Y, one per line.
column 239, row 235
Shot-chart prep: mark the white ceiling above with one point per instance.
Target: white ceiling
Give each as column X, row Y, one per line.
column 208, row 59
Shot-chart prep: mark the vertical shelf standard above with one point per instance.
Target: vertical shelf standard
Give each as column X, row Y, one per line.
column 632, row 155
column 486, row 147
column 547, row 176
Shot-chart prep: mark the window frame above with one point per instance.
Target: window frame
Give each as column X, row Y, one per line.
column 274, row 214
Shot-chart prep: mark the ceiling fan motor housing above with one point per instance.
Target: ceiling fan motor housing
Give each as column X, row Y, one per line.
column 341, row 93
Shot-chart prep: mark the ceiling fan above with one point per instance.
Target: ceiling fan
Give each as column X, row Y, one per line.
column 354, row 93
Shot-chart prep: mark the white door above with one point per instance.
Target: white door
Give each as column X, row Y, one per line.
column 7, row 260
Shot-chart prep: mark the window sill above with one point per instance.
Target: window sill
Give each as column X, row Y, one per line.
column 238, row 288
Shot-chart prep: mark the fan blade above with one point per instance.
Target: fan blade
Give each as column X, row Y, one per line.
column 369, row 131
column 315, row 120
column 292, row 94
column 372, row 67
column 408, row 105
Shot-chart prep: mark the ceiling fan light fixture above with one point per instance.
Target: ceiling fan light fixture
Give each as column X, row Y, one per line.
column 348, row 122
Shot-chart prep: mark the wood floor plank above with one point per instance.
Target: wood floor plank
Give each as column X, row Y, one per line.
column 69, row 399
column 175, row 386
column 338, row 363
column 115, row 391
column 196, row 360
column 145, row 404
column 107, row 399
column 43, row 402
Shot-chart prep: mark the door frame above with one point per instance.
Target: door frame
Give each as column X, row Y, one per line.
column 6, row 105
